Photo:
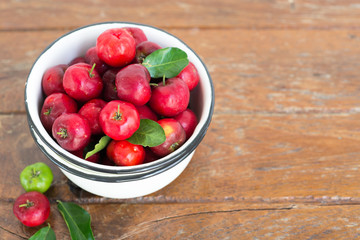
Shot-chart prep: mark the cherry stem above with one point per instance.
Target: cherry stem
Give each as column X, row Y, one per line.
column 118, row 114
column 27, row 204
column 164, row 80
column 48, row 111
column 91, row 70
column 35, row 173
column 62, row 133
column 154, row 84
column 174, row 146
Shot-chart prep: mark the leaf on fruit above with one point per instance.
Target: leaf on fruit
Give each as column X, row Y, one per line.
column 103, row 142
column 168, row 62
column 77, row 220
column 149, row 134
column 45, row 233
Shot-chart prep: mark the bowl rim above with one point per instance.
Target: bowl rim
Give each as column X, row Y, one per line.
column 147, row 169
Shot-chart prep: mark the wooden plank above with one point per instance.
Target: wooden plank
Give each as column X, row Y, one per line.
column 218, row 223
column 229, row 220
column 21, row 51
column 280, row 159
column 256, row 71
column 8, row 235
column 280, row 71
column 42, row 14
column 271, row 158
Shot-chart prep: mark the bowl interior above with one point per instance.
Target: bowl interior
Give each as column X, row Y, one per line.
column 74, row 44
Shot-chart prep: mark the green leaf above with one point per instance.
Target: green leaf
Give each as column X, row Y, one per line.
column 166, row 62
column 103, row 142
column 45, row 233
column 77, row 220
column 149, row 134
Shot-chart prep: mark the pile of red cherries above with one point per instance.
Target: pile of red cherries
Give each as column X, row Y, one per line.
column 108, row 91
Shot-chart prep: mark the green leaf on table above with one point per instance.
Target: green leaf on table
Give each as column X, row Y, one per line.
column 149, row 134
column 103, row 142
column 45, row 233
column 166, row 62
column 77, row 219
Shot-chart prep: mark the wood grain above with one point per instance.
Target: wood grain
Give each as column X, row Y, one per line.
column 42, row 14
column 277, row 71
column 203, row 221
column 281, row 157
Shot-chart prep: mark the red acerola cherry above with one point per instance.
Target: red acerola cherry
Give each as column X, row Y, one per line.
column 175, row 137
column 91, row 57
column 116, row 47
column 138, row 34
column 52, row 81
column 144, row 49
column 170, row 99
column 132, row 84
column 124, row 153
column 32, row 208
column 54, row 105
column 82, row 82
column 71, row 131
column 146, row 112
column 190, row 76
column 188, row 121
column 109, row 91
column 119, row 119
column 91, row 111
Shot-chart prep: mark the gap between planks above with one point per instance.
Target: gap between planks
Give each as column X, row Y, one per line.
column 197, row 27
column 251, row 203
column 306, row 111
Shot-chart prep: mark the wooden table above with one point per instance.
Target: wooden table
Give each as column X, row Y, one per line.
column 281, row 158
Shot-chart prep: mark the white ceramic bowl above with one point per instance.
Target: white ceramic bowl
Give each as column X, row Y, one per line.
column 115, row 181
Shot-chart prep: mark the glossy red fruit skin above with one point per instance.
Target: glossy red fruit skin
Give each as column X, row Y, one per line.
column 54, row 105
column 91, row 57
column 188, row 121
column 170, row 99
column 132, row 84
column 144, row 49
column 145, row 112
column 190, row 76
column 76, row 131
column 116, row 47
column 91, row 111
column 119, row 119
column 109, row 90
column 52, row 81
column 34, row 215
column 124, row 153
column 138, row 34
column 175, row 137
column 79, row 85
